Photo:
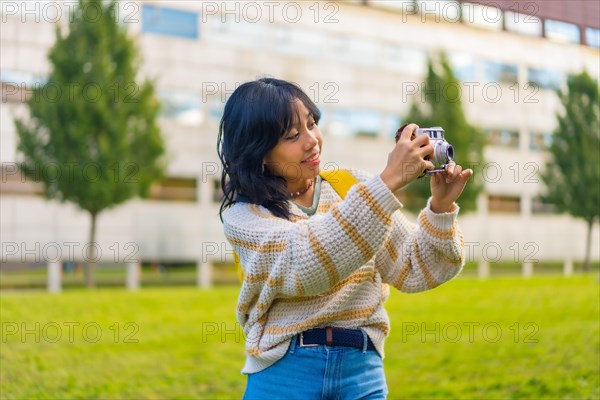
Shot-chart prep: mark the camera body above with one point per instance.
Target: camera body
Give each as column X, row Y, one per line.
column 443, row 152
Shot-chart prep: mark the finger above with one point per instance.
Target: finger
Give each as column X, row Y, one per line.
column 425, row 151
column 407, row 132
column 466, row 175
column 450, row 167
column 421, row 141
column 455, row 175
column 457, row 171
column 427, row 165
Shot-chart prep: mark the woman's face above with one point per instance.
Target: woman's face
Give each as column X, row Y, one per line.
column 297, row 155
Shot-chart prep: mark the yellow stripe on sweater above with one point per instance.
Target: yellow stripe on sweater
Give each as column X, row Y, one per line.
column 353, row 233
column 243, row 307
column 256, row 278
column 438, row 233
column 324, row 258
column 299, row 286
column 355, row 278
column 345, row 315
column 382, row 326
column 323, row 208
column 373, row 204
column 391, row 249
column 255, row 350
column 402, row 275
column 431, row 282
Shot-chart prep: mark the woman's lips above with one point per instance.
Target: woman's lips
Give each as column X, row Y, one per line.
column 312, row 161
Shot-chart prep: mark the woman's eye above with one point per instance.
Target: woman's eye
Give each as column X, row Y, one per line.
column 292, row 137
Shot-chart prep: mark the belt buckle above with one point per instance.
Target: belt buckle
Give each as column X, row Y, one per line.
column 306, row 345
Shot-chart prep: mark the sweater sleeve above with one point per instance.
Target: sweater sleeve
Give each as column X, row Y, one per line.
column 307, row 257
column 419, row 257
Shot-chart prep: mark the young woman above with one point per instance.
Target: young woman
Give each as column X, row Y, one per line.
column 316, row 267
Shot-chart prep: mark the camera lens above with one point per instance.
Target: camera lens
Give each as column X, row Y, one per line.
column 450, row 152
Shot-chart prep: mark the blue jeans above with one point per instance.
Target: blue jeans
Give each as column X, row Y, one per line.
column 320, row 373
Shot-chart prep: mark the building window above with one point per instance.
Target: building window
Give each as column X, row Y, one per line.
column 15, row 182
column 502, row 73
column 216, row 106
column 561, row 31
column 298, row 41
column 391, row 125
column 463, row 66
column 358, row 51
column 540, row 141
column 592, row 37
column 11, row 92
column 539, row 206
column 354, row 122
column 239, row 34
column 17, row 86
column 175, row 189
column 482, row 16
column 169, row 21
column 544, row 78
column 503, row 138
column 408, row 60
column 504, row 204
column 182, row 106
column 523, row 24
column 22, row 78
column 365, row 51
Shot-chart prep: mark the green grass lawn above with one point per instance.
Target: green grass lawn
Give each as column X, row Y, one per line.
column 504, row 338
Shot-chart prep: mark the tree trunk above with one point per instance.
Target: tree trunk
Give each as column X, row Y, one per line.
column 91, row 254
column 586, row 263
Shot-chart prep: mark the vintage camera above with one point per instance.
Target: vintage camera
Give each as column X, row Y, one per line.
column 443, row 152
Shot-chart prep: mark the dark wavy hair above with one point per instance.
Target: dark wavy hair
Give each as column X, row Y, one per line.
column 256, row 116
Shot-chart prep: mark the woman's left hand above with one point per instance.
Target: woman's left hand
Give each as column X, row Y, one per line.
column 447, row 186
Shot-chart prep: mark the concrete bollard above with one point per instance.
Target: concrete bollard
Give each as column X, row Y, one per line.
column 527, row 270
column 568, row 268
column 133, row 275
column 204, row 274
column 54, row 276
column 483, row 269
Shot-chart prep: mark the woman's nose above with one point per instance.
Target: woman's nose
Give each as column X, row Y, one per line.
column 311, row 140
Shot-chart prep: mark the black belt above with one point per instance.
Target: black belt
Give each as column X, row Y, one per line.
column 331, row 336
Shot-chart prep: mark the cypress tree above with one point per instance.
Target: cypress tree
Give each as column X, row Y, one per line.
column 442, row 106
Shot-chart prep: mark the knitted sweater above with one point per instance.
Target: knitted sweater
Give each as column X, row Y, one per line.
column 335, row 267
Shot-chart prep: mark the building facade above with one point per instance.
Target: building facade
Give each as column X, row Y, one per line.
column 362, row 62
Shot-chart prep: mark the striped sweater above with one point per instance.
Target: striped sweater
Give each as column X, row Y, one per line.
column 334, row 268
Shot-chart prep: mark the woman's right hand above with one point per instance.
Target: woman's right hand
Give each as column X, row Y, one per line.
column 407, row 161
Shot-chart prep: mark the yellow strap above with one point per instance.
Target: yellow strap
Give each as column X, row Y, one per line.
column 238, row 267
column 341, row 180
